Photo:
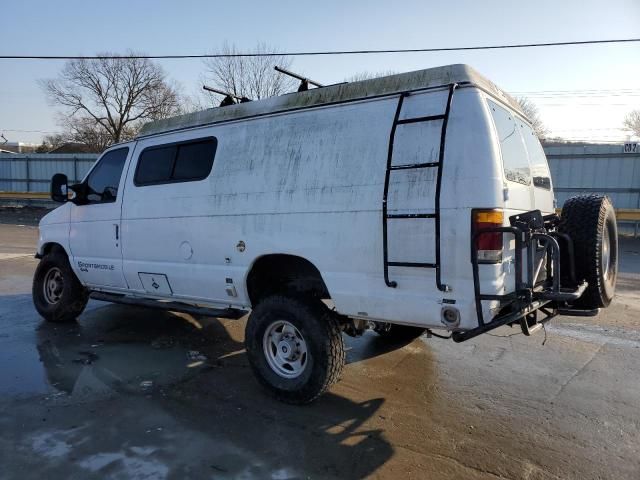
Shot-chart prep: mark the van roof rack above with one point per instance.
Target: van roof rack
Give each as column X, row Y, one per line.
column 420, row 80
column 304, row 81
column 229, row 98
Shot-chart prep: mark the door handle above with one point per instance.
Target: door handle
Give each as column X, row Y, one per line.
column 117, row 227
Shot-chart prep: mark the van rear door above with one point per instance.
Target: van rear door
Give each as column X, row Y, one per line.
column 518, row 184
column 540, row 176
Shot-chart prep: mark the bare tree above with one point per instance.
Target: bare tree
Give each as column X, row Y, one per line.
column 533, row 115
column 251, row 77
column 50, row 142
column 106, row 101
column 632, row 122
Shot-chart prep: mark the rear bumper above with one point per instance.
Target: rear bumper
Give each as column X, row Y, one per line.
column 537, row 242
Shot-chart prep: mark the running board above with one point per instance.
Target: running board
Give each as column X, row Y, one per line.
column 172, row 306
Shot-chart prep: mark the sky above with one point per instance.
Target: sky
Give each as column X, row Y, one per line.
column 582, row 92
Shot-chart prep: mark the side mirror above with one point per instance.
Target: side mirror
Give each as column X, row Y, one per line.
column 59, row 188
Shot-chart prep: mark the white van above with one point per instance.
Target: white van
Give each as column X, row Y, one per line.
column 405, row 203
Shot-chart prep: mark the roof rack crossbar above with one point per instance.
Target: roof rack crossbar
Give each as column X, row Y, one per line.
column 304, row 81
column 229, row 98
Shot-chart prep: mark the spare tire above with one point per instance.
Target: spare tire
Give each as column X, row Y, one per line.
column 590, row 221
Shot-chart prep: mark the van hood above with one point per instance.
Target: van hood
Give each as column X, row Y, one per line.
column 62, row 214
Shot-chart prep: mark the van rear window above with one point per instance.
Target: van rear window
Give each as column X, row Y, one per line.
column 514, row 152
column 537, row 159
column 176, row 162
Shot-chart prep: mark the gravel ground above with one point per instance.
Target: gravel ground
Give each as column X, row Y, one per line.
column 22, row 215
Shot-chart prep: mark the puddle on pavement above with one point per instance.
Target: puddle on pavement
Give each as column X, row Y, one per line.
column 219, row 415
column 123, row 349
column 111, row 349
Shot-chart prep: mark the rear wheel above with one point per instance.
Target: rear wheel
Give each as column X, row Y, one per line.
column 295, row 347
column 590, row 221
column 57, row 293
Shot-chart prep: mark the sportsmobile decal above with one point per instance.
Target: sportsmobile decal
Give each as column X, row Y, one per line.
column 84, row 267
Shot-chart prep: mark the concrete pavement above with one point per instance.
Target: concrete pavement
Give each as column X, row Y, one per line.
column 135, row 393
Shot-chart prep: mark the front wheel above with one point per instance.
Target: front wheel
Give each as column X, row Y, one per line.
column 295, row 347
column 57, row 293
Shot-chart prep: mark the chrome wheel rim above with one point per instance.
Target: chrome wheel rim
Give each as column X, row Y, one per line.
column 606, row 253
column 285, row 349
column 53, row 285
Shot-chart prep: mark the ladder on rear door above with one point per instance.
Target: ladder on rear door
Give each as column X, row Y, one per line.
column 391, row 168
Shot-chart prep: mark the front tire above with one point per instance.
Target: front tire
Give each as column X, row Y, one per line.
column 57, row 293
column 295, row 347
column 590, row 221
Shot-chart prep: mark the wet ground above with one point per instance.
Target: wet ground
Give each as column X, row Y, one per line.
column 134, row 393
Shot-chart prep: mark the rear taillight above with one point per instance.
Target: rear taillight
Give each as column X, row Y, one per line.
column 489, row 244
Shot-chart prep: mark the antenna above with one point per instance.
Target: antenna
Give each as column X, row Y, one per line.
column 229, row 98
column 304, row 81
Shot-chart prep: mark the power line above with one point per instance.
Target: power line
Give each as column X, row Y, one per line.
column 585, row 96
column 616, row 140
column 313, row 53
column 616, row 129
column 570, row 94
column 25, row 131
column 577, row 92
column 581, row 104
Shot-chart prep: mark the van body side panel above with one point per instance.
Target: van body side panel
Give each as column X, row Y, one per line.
column 310, row 183
column 306, row 184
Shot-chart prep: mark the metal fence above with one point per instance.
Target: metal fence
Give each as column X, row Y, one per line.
column 606, row 169
column 33, row 172
column 575, row 169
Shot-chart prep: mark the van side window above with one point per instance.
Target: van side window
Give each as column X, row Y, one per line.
column 514, row 154
column 176, row 162
column 537, row 158
column 155, row 165
column 102, row 183
column 193, row 161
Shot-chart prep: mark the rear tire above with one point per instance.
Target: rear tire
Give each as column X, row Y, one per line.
column 57, row 293
column 398, row 333
column 295, row 347
column 590, row 221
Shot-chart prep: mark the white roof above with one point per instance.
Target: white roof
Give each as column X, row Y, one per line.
column 402, row 82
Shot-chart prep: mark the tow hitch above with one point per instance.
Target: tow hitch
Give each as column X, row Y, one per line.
column 536, row 239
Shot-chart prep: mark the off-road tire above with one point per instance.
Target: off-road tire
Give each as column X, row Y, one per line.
column 321, row 332
column 398, row 333
column 587, row 219
column 73, row 297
